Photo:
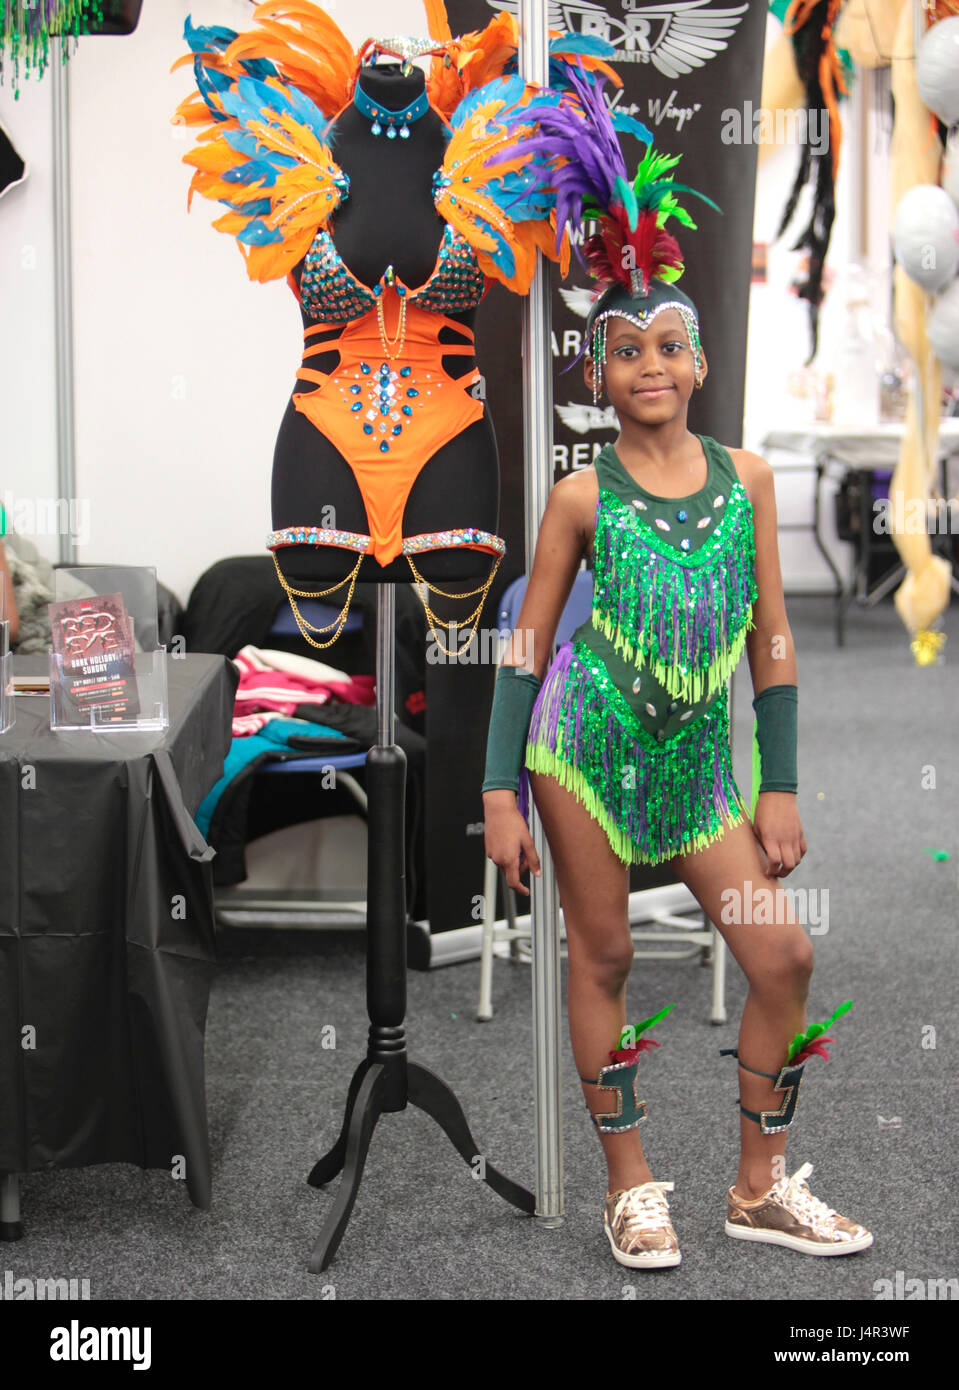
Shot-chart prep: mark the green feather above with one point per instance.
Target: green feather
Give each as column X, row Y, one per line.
column 816, row 1030
column 632, row 1031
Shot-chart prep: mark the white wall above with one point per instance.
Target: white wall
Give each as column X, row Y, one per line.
column 28, row 436
column 183, row 366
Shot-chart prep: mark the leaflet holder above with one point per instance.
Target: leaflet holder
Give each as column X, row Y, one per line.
column 107, row 670
column 6, row 673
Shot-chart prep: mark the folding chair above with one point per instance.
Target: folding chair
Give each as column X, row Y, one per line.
column 291, row 907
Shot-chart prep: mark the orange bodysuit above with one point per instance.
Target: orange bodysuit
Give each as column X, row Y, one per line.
column 388, row 405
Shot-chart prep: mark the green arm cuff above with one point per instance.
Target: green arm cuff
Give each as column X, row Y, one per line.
column 513, row 698
column 776, row 737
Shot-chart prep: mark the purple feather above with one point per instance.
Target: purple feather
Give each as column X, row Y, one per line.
column 580, row 132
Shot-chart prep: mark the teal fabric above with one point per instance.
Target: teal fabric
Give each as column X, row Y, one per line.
column 612, row 475
column 777, row 731
column 513, row 698
column 272, row 741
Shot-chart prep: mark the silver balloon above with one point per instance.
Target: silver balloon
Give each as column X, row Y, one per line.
column 926, row 236
column 937, row 69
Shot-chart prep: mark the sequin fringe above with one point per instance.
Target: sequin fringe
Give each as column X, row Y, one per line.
column 688, row 618
column 682, row 793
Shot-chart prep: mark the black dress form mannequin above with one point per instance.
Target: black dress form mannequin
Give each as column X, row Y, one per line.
column 388, row 219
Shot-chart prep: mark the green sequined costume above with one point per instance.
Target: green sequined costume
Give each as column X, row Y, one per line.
column 632, row 715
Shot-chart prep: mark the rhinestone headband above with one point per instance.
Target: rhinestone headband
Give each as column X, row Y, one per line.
column 399, row 46
column 596, row 352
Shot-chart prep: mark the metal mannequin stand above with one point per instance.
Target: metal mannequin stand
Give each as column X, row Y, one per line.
column 386, row 1080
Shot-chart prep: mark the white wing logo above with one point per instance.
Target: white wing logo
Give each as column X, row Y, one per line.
column 675, row 37
column 583, row 418
column 578, row 301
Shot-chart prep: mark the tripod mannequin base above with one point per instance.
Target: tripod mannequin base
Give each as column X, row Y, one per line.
column 375, row 1089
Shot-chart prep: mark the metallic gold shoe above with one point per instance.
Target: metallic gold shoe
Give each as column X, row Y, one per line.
column 788, row 1214
column 637, row 1225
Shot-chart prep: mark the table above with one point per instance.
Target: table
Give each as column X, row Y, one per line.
column 107, row 935
column 858, row 452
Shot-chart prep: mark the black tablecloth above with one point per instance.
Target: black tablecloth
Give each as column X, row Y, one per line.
column 107, row 933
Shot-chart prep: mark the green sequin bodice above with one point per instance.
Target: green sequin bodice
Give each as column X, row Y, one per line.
column 697, row 552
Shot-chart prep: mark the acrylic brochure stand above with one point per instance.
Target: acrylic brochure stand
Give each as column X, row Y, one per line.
column 6, row 675
column 150, row 711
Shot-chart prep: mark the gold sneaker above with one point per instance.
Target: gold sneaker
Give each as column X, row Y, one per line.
column 788, row 1214
column 637, row 1225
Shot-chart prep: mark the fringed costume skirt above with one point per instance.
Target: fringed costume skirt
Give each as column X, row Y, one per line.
column 654, row 798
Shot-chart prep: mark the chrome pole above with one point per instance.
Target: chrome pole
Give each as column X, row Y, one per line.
column 544, row 906
column 63, row 293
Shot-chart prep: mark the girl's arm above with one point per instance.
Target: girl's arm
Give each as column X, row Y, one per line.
column 560, row 547
column 10, row 602
column 772, row 661
column 769, row 646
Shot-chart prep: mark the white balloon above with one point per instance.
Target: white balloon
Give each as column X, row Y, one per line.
column 950, row 167
column 942, row 326
column 937, row 69
column 926, row 235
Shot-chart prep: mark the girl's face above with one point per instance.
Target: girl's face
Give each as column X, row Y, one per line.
column 650, row 373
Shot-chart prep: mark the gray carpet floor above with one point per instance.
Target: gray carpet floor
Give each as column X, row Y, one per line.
column 877, row 1121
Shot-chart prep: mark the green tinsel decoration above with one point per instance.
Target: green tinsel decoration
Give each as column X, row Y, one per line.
column 27, row 29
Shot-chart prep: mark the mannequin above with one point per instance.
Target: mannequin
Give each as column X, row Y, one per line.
column 388, row 219
column 390, row 202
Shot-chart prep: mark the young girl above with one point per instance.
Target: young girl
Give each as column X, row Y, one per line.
column 626, row 746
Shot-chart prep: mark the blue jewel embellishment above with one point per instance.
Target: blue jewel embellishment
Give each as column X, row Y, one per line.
column 384, row 447
column 367, row 429
column 376, row 128
column 405, row 371
column 397, row 429
column 365, row 368
column 681, row 515
column 412, row 391
column 390, row 132
column 385, row 408
column 407, row 410
column 684, row 543
column 356, row 389
column 357, row 405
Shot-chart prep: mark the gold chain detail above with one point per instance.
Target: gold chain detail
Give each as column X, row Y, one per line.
column 392, row 349
column 301, row 622
column 473, row 618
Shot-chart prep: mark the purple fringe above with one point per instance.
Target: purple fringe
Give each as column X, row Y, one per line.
column 546, row 714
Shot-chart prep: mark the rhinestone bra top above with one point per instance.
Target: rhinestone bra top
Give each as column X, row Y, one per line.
column 329, row 291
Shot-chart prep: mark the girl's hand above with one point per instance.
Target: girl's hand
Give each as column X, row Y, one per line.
column 508, row 841
column 779, row 831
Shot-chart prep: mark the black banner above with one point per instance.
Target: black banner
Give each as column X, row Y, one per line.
column 692, row 73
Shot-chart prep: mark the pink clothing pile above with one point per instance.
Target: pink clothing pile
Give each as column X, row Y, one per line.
column 275, row 683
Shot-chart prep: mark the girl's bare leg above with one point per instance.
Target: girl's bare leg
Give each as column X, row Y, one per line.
column 777, row 960
column 593, row 889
